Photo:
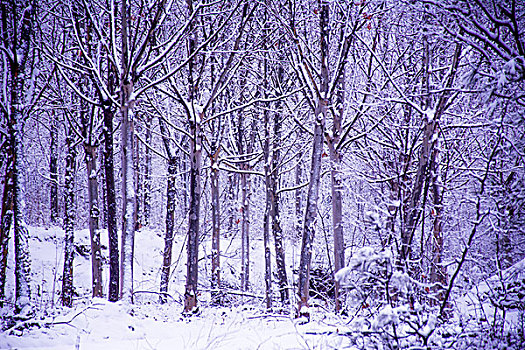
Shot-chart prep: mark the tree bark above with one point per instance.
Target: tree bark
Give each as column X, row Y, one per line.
column 190, row 304
column 194, row 119
column 94, row 213
column 315, row 170
column 19, row 53
column 146, row 192
column 53, row 169
column 69, row 221
column 170, row 224
column 275, row 212
column 335, row 180
column 268, row 204
column 7, row 214
column 111, row 204
column 128, row 186
column 216, row 222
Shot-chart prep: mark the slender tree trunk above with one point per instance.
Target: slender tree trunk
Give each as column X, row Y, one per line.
column 245, row 203
column 268, row 206
column 137, row 182
column 299, row 215
column 194, row 120
column 128, row 186
column 170, row 224
column 315, row 170
column 275, row 212
column 216, row 230
column 336, row 184
column 69, row 222
column 111, row 204
column 190, row 304
column 245, row 232
column 94, row 213
column 53, row 170
column 6, row 218
column 146, row 207
column 438, row 272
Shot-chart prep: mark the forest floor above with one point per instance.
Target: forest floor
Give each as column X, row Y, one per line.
column 98, row 324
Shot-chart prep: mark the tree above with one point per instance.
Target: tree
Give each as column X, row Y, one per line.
column 17, row 52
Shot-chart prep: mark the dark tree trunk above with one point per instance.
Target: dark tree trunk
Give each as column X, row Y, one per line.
column 146, row 191
column 216, row 230
column 268, row 207
column 94, row 213
column 6, row 218
column 69, row 222
column 190, row 304
column 194, row 118
column 170, row 224
column 111, row 204
column 53, row 170
column 276, row 220
column 21, row 14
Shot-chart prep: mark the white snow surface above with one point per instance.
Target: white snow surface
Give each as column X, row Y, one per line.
column 99, row 324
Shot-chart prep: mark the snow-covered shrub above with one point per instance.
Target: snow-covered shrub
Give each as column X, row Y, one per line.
column 389, row 306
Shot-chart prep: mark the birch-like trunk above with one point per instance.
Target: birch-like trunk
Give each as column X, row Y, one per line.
column 128, row 198
column 128, row 185
column 94, row 213
column 69, row 222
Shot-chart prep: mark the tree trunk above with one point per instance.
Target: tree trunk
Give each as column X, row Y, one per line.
column 216, row 222
column 146, row 207
column 128, row 199
column 96, row 253
column 138, row 184
column 245, row 231
column 315, row 170
column 69, row 222
column 194, row 119
column 111, row 204
column 22, row 259
column 128, row 186
column 275, row 212
column 299, row 215
column 336, row 183
column 190, row 304
column 6, row 218
column 268, row 205
column 53, row 170
column 438, row 273
column 18, row 75
column 170, row 224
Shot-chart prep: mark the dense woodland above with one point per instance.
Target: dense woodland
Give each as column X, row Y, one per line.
column 385, row 139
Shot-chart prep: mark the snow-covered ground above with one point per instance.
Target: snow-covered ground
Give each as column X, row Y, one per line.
column 243, row 322
column 98, row 324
